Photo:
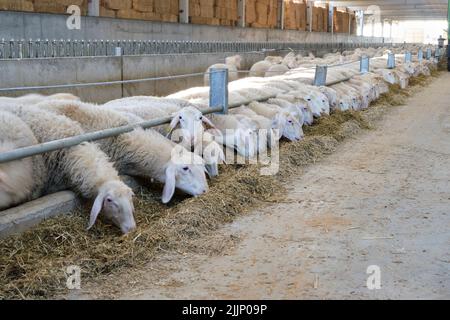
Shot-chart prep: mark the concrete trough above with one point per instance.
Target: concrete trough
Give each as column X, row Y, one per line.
column 21, row 218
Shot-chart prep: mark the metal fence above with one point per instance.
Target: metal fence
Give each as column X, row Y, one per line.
column 38, row 48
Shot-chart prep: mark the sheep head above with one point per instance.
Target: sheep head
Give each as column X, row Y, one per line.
column 115, row 200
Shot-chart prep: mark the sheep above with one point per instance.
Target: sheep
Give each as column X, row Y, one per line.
column 31, row 99
column 260, row 124
column 190, row 120
column 308, row 117
column 296, row 110
column 84, row 168
column 274, row 59
column 260, row 68
column 283, row 120
column 232, row 64
column 235, row 135
column 20, row 180
column 290, row 60
column 144, row 153
column 276, row 70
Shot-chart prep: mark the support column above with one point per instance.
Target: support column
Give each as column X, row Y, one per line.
column 241, row 13
column 373, row 27
column 448, row 37
column 184, row 11
column 331, row 18
column 361, row 22
column 280, row 15
column 94, row 8
column 309, row 14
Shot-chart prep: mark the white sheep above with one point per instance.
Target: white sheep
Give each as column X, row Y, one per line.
column 20, row 180
column 235, row 135
column 31, row 99
column 232, row 64
column 144, row 153
column 84, row 168
column 274, row 59
column 283, row 120
column 276, row 70
column 260, row 68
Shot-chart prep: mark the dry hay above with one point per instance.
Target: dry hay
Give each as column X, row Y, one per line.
column 33, row 264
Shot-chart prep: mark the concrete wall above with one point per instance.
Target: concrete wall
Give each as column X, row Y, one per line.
column 43, row 72
column 22, row 25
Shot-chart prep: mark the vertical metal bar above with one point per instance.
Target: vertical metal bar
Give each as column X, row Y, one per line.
column 365, row 64
column 184, row 11
column 420, row 55
column 408, row 57
column 429, row 53
column 218, row 89
column 280, row 15
column 242, row 7
column 94, row 8
column 320, row 78
column 391, row 61
column 309, row 14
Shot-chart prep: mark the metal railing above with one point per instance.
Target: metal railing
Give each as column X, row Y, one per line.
column 38, row 48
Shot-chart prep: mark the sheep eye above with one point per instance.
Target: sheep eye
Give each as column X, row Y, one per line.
column 186, row 168
column 201, row 118
column 181, row 118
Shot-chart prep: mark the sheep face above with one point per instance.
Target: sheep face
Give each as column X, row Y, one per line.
column 388, row 76
column 291, row 129
column 186, row 172
column 191, row 122
column 115, row 200
column 213, row 155
column 402, row 79
column 344, row 104
column 246, row 142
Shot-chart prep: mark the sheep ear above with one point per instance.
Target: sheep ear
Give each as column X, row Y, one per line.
column 173, row 124
column 96, row 209
column 169, row 186
column 175, row 121
column 208, row 123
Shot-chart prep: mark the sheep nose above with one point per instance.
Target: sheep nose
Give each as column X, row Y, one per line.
column 128, row 228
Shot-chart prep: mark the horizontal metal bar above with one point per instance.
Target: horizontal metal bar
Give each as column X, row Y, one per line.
column 87, row 137
column 108, row 83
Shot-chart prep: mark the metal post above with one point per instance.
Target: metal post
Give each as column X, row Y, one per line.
column 242, row 7
column 391, row 61
column 94, row 8
column 309, row 14
column 420, row 55
column 280, row 14
column 448, row 36
column 390, row 30
column 320, row 78
column 365, row 64
column 361, row 21
column 408, row 57
column 331, row 18
column 184, row 11
column 218, row 89
column 429, row 54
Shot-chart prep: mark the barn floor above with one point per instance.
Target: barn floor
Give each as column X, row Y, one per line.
column 382, row 199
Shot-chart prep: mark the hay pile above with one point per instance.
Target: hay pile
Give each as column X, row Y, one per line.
column 32, row 265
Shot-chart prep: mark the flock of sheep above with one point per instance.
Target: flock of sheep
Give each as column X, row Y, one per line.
column 93, row 170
